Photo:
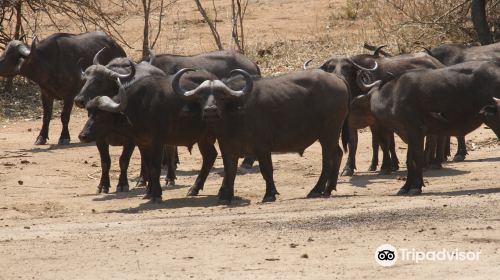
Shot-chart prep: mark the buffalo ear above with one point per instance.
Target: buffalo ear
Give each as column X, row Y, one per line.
column 489, row 111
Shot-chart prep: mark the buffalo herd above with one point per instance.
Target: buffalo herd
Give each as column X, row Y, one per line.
column 170, row 100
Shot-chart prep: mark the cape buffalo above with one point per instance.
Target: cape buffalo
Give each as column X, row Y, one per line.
column 147, row 111
column 53, row 64
column 280, row 114
column 99, row 80
column 445, row 101
column 219, row 63
column 361, row 69
column 450, row 54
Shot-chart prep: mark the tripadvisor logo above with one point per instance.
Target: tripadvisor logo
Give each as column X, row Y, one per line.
column 386, row 255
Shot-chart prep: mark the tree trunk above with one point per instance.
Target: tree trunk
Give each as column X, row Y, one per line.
column 478, row 14
column 9, row 84
column 146, row 4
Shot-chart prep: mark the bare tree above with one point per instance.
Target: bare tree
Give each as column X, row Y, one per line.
column 211, row 24
column 238, row 10
column 150, row 9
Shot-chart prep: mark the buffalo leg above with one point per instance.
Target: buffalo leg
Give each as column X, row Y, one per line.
column 334, row 174
column 143, row 176
column 447, row 151
column 127, row 151
column 415, row 161
column 64, row 139
column 104, row 184
column 350, row 165
column 153, row 162
column 394, row 156
column 462, row 150
column 430, row 149
column 266, row 169
column 226, row 192
column 375, row 145
column 47, row 103
column 440, row 151
column 171, row 163
column 247, row 163
column 384, row 140
column 208, row 154
column 320, row 186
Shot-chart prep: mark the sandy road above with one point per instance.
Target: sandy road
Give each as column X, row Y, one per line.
column 53, row 226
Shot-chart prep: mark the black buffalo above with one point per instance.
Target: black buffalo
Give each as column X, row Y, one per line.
column 280, row 114
column 147, row 111
column 219, row 63
column 53, row 64
column 100, row 80
column 361, row 69
column 446, row 101
column 451, row 54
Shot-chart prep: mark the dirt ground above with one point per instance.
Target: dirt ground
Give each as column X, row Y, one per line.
column 54, row 226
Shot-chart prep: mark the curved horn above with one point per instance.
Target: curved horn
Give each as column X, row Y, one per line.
column 33, row 44
column 96, row 57
column 22, row 37
column 428, row 51
column 23, row 50
column 363, row 68
column 125, row 77
column 362, row 80
column 82, row 73
column 176, row 83
column 304, row 66
column 374, row 84
column 152, row 56
column 248, row 83
column 377, row 50
column 107, row 104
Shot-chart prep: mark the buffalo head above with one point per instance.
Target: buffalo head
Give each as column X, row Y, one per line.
column 356, row 70
column 16, row 52
column 212, row 95
column 102, row 117
column 491, row 114
column 100, row 79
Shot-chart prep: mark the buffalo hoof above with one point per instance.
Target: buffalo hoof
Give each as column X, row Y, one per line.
column 326, row 195
column 385, row 171
column 314, row 194
column 245, row 168
column 269, row 198
column 141, row 182
column 435, row 165
column 122, row 188
column 223, row 201
column 63, row 142
column 348, row 171
column 402, row 191
column 193, row 191
column 155, row 200
column 414, row 191
column 395, row 167
column 458, row 158
column 40, row 140
column 372, row 168
column 170, row 182
column 147, row 196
